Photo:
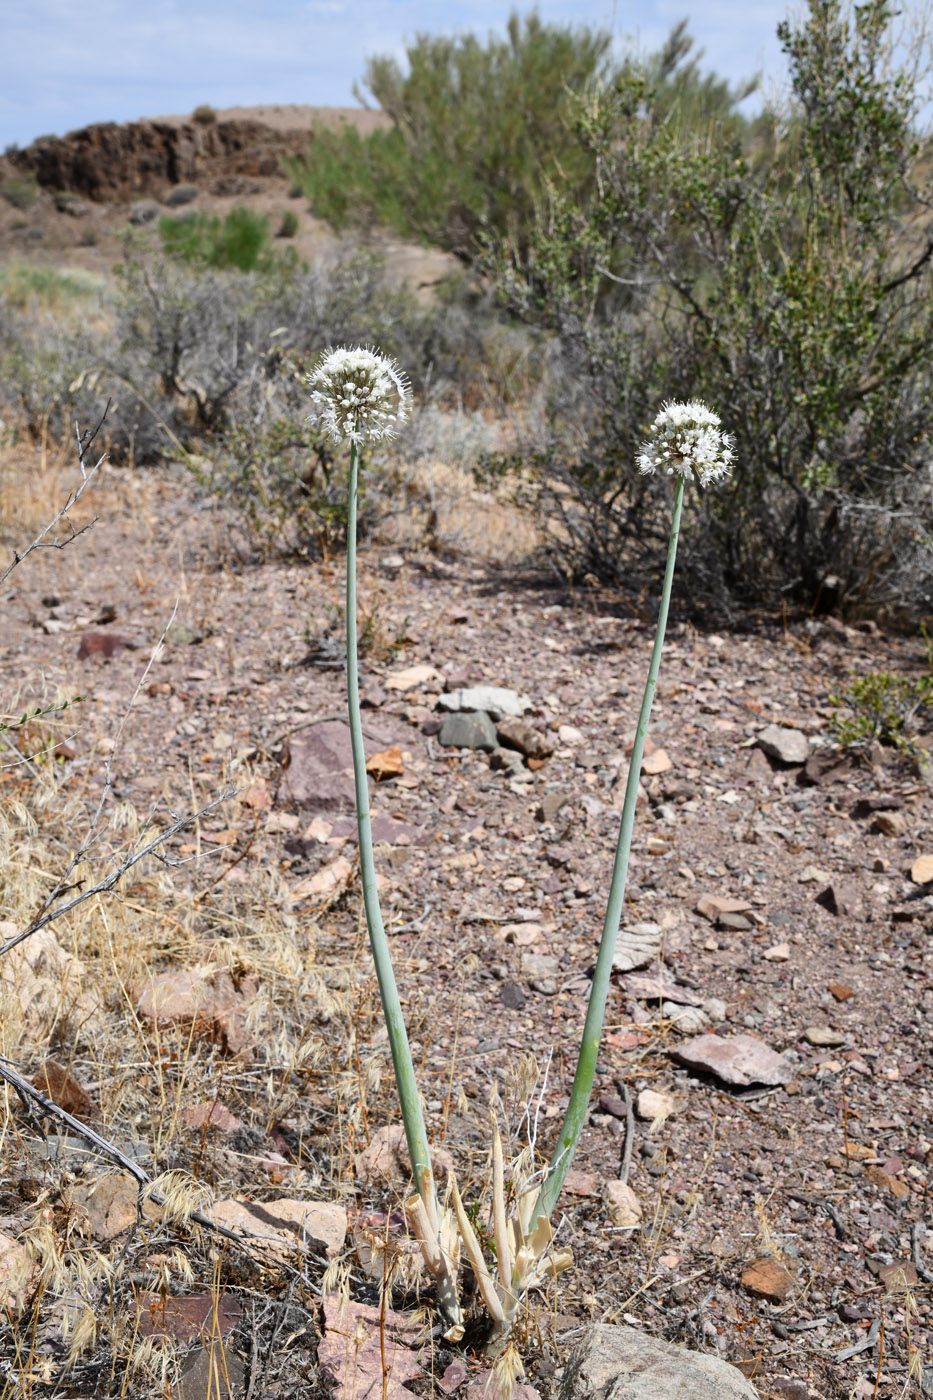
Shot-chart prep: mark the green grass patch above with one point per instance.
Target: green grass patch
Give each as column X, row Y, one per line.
column 241, row 240
column 28, row 285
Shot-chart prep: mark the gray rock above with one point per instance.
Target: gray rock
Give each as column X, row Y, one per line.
column 737, row 1059
column 518, row 735
column 181, row 194
column 550, row 805
column 715, row 1008
column 788, row 746
column 686, row 1020
column 496, row 700
column 623, row 1363
column 842, row 899
column 469, row 731
column 636, row 946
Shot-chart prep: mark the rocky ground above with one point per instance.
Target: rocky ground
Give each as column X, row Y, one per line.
column 753, row 1180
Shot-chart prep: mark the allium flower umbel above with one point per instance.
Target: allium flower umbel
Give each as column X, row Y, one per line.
column 686, row 438
column 358, row 395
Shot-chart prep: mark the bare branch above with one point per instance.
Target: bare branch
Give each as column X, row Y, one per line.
column 85, row 441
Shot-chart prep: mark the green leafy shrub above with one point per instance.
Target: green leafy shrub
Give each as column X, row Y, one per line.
column 475, row 129
column 781, row 269
column 884, row 706
column 19, row 190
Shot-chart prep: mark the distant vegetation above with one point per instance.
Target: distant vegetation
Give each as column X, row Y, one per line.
column 627, row 237
column 240, row 240
column 779, row 268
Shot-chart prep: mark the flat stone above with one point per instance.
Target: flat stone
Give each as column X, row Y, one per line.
column 842, row 899
column 686, row 1020
column 624, row 1363
column 738, row 923
column 787, row 746
column 892, row 824
column 738, row 1059
column 367, row 1352
column 657, row 762
column 780, row 952
column 319, row 763
column 211, row 1372
column 496, row 700
column 651, row 1105
column 768, row 1278
column 713, row 906
column 207, row 999
column 411, row 678
column 516, row 734
column 325, row 883
column 17, row 1274
column 465, row 730
column 551, row 804
column 622, row 1205
column 651, row 987
column 284, row 1225
column 636, row 946
column 921, row 872
column 823, row 1036
column 108, row 1207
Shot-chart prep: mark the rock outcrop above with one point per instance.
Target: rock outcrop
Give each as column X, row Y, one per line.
column 112, row 162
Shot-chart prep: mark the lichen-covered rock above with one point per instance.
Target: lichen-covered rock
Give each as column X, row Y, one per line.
column 622, row 1363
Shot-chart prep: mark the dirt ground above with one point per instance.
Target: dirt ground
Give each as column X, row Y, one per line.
column 781, row 1227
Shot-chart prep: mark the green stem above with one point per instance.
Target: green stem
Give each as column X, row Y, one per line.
column 596, row 1008
column 409, row 1098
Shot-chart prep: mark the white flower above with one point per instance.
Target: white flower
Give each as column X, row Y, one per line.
column 686, row 438
column 358, row 395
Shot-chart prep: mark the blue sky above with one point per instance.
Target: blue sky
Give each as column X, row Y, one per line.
column 70, row 64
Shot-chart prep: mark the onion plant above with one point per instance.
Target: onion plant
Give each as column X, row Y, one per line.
column 360, row 396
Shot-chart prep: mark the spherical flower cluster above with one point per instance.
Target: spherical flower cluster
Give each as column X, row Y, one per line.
column 358, row 395
column 686, row 438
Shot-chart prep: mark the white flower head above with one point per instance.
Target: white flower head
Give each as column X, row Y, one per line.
column 358, row 395
column 686, row 438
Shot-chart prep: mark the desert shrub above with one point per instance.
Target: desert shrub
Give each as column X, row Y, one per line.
column 884, row 706
column 474, row 129
column 781, row 272
column 288, row 226
column 21, row 191
column 204, row 114
column 26, row 285
column 240, row 240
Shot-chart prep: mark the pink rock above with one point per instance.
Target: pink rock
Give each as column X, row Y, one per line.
column 737, row 1059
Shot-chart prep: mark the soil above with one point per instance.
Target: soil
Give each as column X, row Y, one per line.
column 820, row 1183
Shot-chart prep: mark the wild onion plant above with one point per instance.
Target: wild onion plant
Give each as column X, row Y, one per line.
column 360, row 396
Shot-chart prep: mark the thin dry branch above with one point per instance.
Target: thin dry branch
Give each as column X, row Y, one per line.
column 85, row 441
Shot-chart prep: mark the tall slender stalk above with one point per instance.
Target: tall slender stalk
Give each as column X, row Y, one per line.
column 596, row 1007
column 403, row 1065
